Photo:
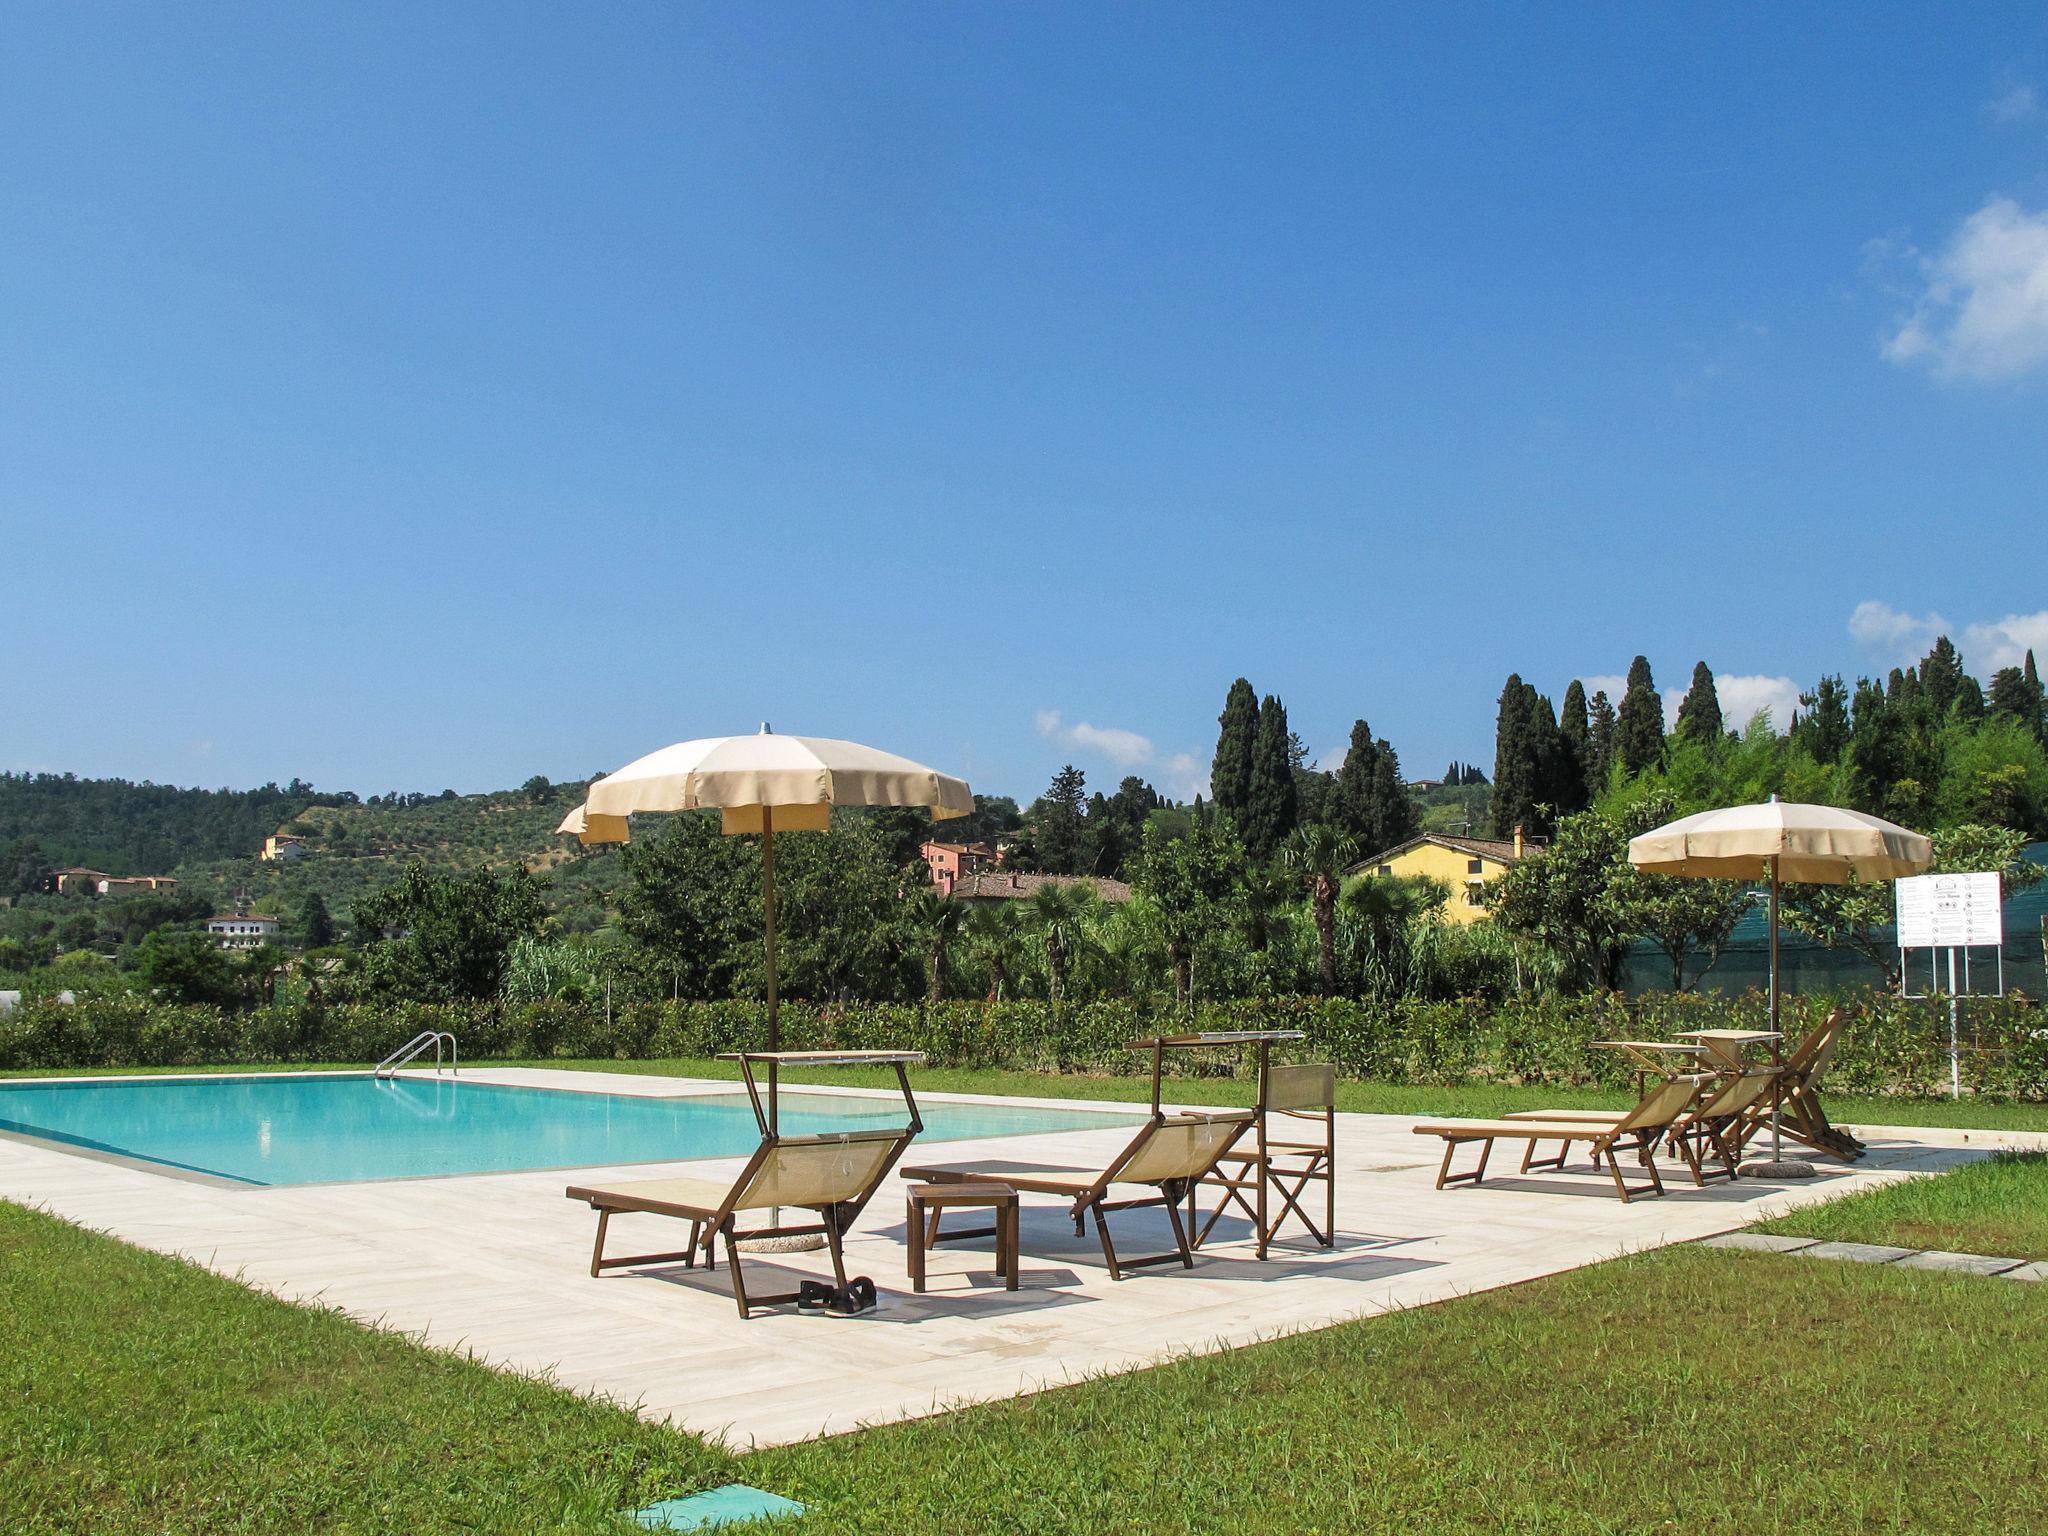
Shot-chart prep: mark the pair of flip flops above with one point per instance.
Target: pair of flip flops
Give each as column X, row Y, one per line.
column 857, row 1295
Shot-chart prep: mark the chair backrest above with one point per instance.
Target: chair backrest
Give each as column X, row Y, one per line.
column 1178, row 1147
column 1665, row 1102
column 1817, row 1050
column 1310, row 1085
column 1737, row 1093
column 817, row 1171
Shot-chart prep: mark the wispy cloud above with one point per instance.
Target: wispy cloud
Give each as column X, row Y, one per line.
column 1982, row 312
column 1987, row 644
column 2013, row 102
column 1182, row 775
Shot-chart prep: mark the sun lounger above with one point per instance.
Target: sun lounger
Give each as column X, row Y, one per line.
column 832, row 1176
column 1802, row 1117
column 1170, row 1154
column 1637, row 1131
column 1709, row 1127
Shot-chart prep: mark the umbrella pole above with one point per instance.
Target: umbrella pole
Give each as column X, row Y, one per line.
column 1777, row 1045
column 768, row 911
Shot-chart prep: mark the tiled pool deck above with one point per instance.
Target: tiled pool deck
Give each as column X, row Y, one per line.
column 496, row 1264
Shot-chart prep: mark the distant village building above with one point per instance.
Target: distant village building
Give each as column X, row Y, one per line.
column 282, row 847
column 1463, row 864
column 998, row 885
column 950, row 861
column 94, row 882
column 243, row 930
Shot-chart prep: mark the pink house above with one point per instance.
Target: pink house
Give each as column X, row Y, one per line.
column 952, row 862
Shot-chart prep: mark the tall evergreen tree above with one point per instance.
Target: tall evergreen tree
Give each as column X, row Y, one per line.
column 1354, row 805
column 1270, row 809
column 1060, row 824
column 1230, row 777
column 1604, row 731
column 2032, row 680
column 1699, row 712
column 2016, row 694
column 1575, row 789
column 1394, row 818
column 1552, row 761
column 1824, row 732
column 1640, row 724
column 1517, row 759
column 1941, row 680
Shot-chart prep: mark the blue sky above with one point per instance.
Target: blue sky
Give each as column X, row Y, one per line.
column 425, row 397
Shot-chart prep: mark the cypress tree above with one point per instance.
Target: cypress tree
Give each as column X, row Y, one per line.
column 1354, row 788
column 1824, row 733
column 1393, row 813
column 1061, row 823
column 1603, row 730
column 1516, row 761
column 1551, row 760
column 1699, row 712
column 1941, row 680
column 1575, row 732
column 2040, row 702
column 1639, row 728
column 1230, row 777
column 1269, row 813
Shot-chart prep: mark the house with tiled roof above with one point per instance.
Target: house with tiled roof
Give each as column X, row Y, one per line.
column 998, row 885
column 1462, row 865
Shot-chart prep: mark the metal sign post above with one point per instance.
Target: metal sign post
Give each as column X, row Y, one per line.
column 1957, row 913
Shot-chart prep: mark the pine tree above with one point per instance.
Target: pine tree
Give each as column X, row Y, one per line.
column 1640, row 725
column 1575, row 788
column 1517, row 762
column 1699, row 712
column 316, row 925
column 1060, row 824
column 1270, row 807
column 1824, row 733
column 2016, row 694
column 1941, row 680
column 1230, row 777
column 1603, row 731
column 1354, row 788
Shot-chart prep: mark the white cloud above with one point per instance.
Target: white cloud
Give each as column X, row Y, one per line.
column 1742, row 695
column 1983, row 313
column 1986, row 645
column 1185, row 776
column 2014, row 103
column 1882, row 628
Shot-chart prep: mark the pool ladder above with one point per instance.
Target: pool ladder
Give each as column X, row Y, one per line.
column 417, row 1046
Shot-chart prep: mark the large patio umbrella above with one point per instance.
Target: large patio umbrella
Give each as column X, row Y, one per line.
column 1779, row 841
column 764, row 783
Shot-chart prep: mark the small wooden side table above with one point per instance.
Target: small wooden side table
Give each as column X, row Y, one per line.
column 924, row 1204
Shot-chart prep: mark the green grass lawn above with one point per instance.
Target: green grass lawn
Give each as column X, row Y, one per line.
column 1360, row 1097
column 1687, row 1389
column 1998, row 1206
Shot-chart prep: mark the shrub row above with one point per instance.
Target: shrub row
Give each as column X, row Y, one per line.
column 1893, row 1045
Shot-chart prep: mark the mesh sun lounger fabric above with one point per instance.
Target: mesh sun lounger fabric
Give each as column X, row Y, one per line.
column 1169, row 1154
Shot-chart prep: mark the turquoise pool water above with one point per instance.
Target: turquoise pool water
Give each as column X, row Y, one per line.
column 322, row 1129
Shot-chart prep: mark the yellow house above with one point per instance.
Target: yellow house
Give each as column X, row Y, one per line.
column 283, row 846
column 1461, row 864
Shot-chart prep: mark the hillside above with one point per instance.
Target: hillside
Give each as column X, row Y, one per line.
column 142, row 829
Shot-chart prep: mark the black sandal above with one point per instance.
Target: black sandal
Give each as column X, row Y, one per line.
column 814, row 1295
column 856, row 1296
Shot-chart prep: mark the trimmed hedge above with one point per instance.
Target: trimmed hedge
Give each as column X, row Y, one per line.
column 1893, row 1045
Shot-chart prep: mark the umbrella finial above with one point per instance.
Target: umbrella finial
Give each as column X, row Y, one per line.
column 767, row 729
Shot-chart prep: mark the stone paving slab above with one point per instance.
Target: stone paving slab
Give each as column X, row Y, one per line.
column 1760, row 1242
column 1959, row 1263
column 496, row 1265
column 1857, row 1253
column 2027, row 1272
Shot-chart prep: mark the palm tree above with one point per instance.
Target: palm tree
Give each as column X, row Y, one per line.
column 1316, row 857
column 1263, row 893
column 1059, row 912
column 940, row 919
column 996, row 935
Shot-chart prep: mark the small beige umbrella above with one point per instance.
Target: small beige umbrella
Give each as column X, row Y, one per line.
column 764, row 783
column 1777, row 841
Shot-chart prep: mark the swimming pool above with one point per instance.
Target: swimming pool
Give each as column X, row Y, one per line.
column 331, row 1127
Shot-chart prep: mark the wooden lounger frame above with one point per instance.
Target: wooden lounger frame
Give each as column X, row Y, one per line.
column 1170, row 1152
column 1305, row 1092
column 1802, row 1117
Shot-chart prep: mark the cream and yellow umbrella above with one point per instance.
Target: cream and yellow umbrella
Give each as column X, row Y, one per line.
column 1782, row 841
column 764, row 784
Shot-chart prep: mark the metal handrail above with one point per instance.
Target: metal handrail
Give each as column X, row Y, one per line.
column 416, row 1046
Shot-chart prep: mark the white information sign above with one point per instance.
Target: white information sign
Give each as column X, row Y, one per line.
column 1949, row 911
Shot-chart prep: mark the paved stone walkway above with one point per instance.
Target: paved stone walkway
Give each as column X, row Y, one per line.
column 1878, row 1253
column 495, row 1264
